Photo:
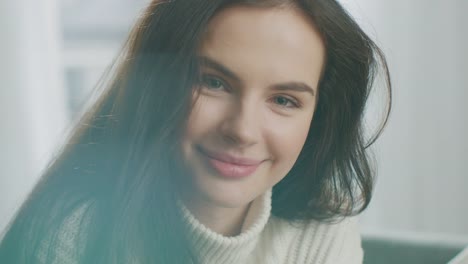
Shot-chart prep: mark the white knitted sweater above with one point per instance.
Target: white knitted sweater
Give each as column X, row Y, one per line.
column 265, row 238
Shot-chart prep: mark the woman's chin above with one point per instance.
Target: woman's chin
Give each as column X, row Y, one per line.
column 223, row 196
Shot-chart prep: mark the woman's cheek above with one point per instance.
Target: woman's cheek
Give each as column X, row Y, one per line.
column 286, row 140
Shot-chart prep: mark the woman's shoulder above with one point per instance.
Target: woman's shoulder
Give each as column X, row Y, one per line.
column 313, row 241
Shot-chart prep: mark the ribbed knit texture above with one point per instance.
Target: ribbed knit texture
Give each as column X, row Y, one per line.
column 268, row 239
column 216, row 248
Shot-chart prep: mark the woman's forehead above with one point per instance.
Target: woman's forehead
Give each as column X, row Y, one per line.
column 289, row 21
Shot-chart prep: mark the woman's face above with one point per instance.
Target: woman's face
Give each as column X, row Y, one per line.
column 260, row 72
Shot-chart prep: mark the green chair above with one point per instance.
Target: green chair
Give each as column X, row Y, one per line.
column 380, row 250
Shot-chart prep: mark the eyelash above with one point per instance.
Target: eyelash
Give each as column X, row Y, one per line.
column 205, row 78
column 293, row 102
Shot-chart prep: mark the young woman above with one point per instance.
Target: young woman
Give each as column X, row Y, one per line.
column 232, row 132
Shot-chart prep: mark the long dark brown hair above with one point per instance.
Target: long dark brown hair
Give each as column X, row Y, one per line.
column 119, row 166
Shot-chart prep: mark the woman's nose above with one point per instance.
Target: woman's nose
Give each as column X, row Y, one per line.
column 241, row 127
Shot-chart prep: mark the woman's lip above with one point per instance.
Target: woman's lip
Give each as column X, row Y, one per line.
column 228, row 166
column 226, row 158
column 231, row 170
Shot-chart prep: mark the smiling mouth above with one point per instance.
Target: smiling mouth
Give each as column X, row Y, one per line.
column 229, row 166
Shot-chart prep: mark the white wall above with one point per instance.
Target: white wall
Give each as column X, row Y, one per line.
column 423, row 154
column 32, row 109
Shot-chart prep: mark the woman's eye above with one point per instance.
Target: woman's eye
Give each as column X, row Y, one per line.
column 285, row 102
column 213, row 83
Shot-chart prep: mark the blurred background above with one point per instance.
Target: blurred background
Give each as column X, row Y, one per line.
column 52, row 53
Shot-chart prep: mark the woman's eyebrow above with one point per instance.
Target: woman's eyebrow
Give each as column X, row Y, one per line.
column 211, row 63
column 294, row 86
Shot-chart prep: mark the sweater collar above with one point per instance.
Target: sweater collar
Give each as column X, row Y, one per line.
column 212, row 247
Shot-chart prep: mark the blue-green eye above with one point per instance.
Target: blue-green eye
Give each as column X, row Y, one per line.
column 213, row 83
column 285, row 102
